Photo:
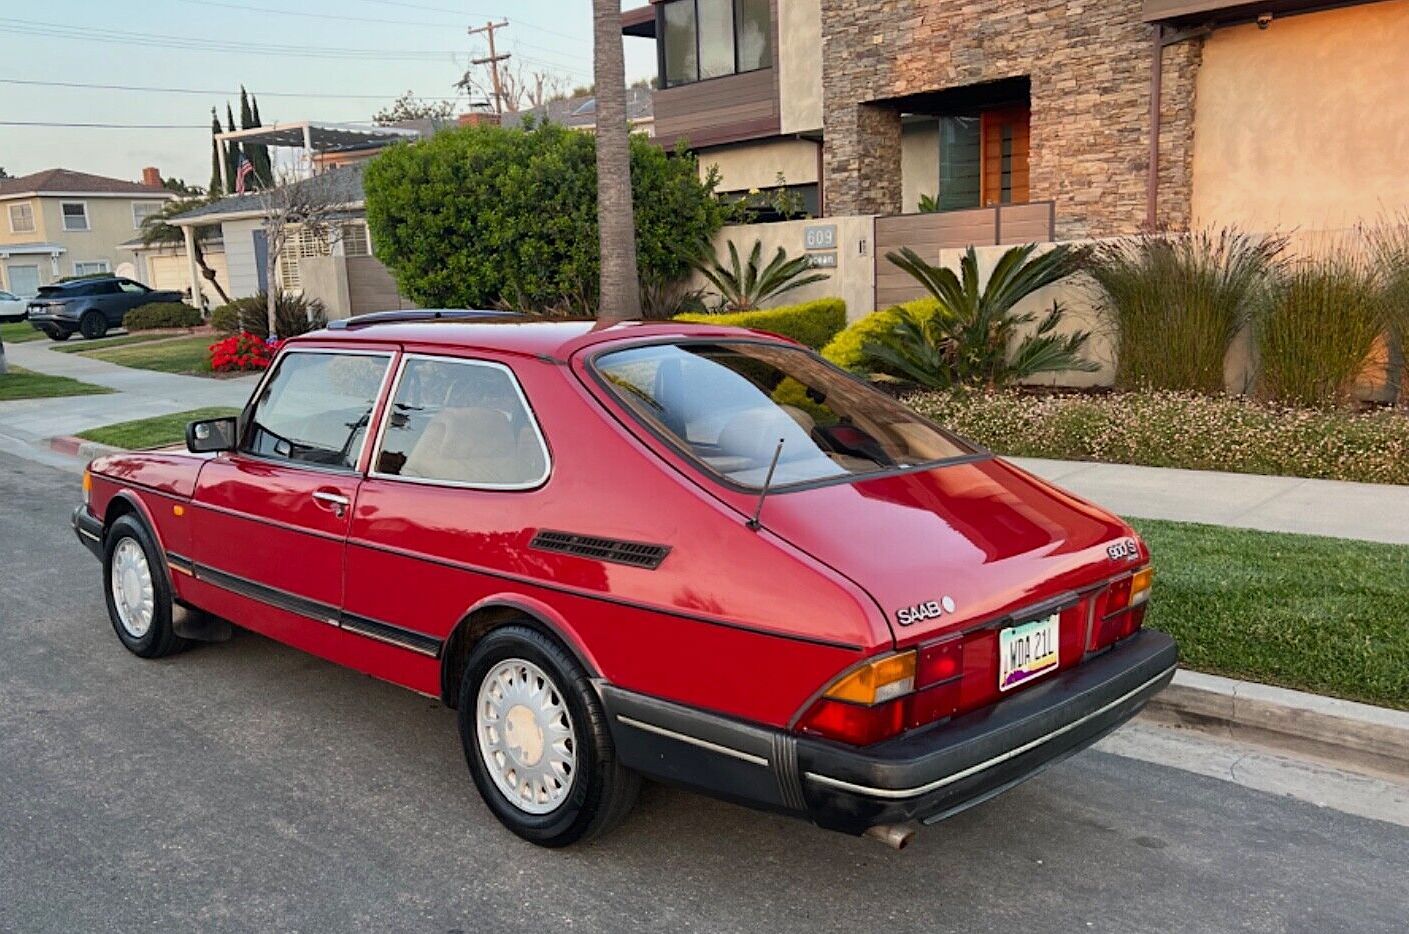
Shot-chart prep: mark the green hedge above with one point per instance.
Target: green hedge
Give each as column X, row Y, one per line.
column 812, row 323
column 847, row 349
column 162, row 315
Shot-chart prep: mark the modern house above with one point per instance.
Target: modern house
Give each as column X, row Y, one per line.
column 341, row 271
column 61, row 223
column 1023, row 119
column 580, row 112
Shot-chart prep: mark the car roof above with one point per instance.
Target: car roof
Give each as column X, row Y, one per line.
column 510, row 333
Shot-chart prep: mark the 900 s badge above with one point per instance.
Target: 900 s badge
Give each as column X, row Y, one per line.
column 1123, row 550
column 930, row 609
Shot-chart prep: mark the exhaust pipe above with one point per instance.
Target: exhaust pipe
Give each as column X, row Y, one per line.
column 895, row 836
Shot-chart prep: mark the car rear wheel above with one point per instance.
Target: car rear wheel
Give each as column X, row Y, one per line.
column 93, row 325
column 57, row 335
column 137, row 591
column 537, row 743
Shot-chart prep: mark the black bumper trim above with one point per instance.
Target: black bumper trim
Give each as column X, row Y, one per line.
column 924, row 775
column 89, row 529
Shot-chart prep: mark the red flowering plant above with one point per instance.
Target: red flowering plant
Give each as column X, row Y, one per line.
column 242, row 352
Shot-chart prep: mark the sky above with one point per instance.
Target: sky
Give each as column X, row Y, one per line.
column 343, row 59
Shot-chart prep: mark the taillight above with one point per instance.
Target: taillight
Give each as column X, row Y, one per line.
column 888, row 695
column 1120, row 608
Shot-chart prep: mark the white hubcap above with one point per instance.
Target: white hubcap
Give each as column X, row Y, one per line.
column 525, row 736
column 133, row 594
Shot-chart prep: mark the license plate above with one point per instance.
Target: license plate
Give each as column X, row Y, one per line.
column 1026, row 651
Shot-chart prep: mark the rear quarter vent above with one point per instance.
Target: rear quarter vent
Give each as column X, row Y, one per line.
column 615, row 551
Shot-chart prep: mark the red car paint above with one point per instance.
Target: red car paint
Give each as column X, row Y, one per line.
column 750, row 624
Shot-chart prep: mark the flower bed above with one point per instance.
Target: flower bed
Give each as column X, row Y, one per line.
column 1172, row 429
column 242, row 352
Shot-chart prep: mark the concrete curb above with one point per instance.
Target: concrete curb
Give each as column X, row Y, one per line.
column 81, row 449
column 1358, row 736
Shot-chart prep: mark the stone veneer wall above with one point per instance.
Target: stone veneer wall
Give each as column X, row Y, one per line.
column 1089, row 66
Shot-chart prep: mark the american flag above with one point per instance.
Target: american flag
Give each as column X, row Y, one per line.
column 245, row 170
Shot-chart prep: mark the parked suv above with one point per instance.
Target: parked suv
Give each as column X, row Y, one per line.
column 90, row 306
column 695, row 553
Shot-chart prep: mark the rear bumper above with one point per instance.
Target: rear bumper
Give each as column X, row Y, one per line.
column 89, row 529
column 52, row 321
column 926, row 775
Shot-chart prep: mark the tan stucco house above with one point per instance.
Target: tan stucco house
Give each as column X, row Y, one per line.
column 59, row 223
column 1103, row 118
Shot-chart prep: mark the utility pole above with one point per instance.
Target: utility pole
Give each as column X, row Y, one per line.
column 493, row 60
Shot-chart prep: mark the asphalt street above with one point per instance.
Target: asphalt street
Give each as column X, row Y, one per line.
column 245, row 786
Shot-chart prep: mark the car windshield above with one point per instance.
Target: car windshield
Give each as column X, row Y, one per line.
column 728, row 405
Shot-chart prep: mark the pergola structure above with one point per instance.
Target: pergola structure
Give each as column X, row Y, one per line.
column 310, row 135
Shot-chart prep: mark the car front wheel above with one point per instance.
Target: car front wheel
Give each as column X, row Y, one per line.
column 536, row 740
column 138, row 593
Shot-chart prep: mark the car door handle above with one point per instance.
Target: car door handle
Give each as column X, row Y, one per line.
column 336, row 501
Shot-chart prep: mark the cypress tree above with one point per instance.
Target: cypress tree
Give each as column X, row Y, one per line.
column 215, row 187
column 263, row 167
column 232, row 158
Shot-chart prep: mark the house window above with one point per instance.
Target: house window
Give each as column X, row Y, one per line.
column 22, row 217
column 355, row 241
column 141, row 210
column 712, row 38
column 75, row 215
column 983, row 159
column 92, row 268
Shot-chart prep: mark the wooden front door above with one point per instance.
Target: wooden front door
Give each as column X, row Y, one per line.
column 1004, row 135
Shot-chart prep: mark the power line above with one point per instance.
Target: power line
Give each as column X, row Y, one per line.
column 62, row 31
column 109, row 126
column 214, row 92
column 338, row 17
column 441, row 9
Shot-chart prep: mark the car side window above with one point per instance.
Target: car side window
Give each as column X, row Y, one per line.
column 133, row 287
column 315, row 408
column 462, row 422
column 106, row 287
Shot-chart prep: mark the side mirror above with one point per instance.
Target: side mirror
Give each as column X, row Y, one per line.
column 211, row 435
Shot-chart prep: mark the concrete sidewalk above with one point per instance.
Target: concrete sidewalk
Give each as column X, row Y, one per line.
column 1371, row 511
column 25, row 425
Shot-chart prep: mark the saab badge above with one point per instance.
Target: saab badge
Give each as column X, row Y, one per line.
column 1125, row 549
column 930, row 609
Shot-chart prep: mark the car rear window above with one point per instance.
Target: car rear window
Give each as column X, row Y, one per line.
column 729, row 404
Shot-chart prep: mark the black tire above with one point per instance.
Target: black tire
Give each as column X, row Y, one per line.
column 93, row 325
column 57, row 335
column 602, row 790
column 160, row 637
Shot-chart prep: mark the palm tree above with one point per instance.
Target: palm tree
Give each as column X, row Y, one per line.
column 619, row 296
column 158, row 229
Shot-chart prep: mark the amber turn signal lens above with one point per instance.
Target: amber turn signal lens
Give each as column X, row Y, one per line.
column 877, row 681
column 87, row 485
column 1140, row 585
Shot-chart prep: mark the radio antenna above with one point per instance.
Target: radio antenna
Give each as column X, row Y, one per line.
column 767, row 482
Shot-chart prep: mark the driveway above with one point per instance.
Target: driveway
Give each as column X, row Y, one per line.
column 246, row 786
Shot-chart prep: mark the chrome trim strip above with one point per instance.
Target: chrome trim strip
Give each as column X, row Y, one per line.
column 87, row 534
column 693, row 740
column 406, row 359
column 894, row 793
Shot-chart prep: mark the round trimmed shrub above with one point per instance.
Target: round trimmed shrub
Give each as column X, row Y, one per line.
column 848, row 349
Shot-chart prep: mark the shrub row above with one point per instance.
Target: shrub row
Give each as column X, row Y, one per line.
column 813, row 323
column 162, row 315
column 293, row 315
column 1181, row 429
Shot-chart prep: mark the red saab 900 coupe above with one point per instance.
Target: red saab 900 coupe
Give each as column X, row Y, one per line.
column 697, row 554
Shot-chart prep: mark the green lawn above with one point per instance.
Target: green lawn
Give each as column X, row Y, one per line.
column 17, row 332
column 152, row 432
column 20, row 383
column 85, row 346
column 189, row 355
column 1316, row 614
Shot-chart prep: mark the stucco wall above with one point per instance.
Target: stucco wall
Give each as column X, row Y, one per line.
column 800, row 65
column 109, row 223
column 756, row 165
column 853, row 279
column 1306, row 123
column 325, row 278
column 919, row 163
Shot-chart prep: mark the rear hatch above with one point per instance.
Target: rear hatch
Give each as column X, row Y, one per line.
column 49, row 297
column 961, row 552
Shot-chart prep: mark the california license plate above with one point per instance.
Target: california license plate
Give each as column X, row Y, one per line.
column 1026, row 651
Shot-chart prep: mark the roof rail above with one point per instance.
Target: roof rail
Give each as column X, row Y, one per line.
column 418, row 314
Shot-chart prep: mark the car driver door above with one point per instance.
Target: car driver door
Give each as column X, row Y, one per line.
column 270, row 518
